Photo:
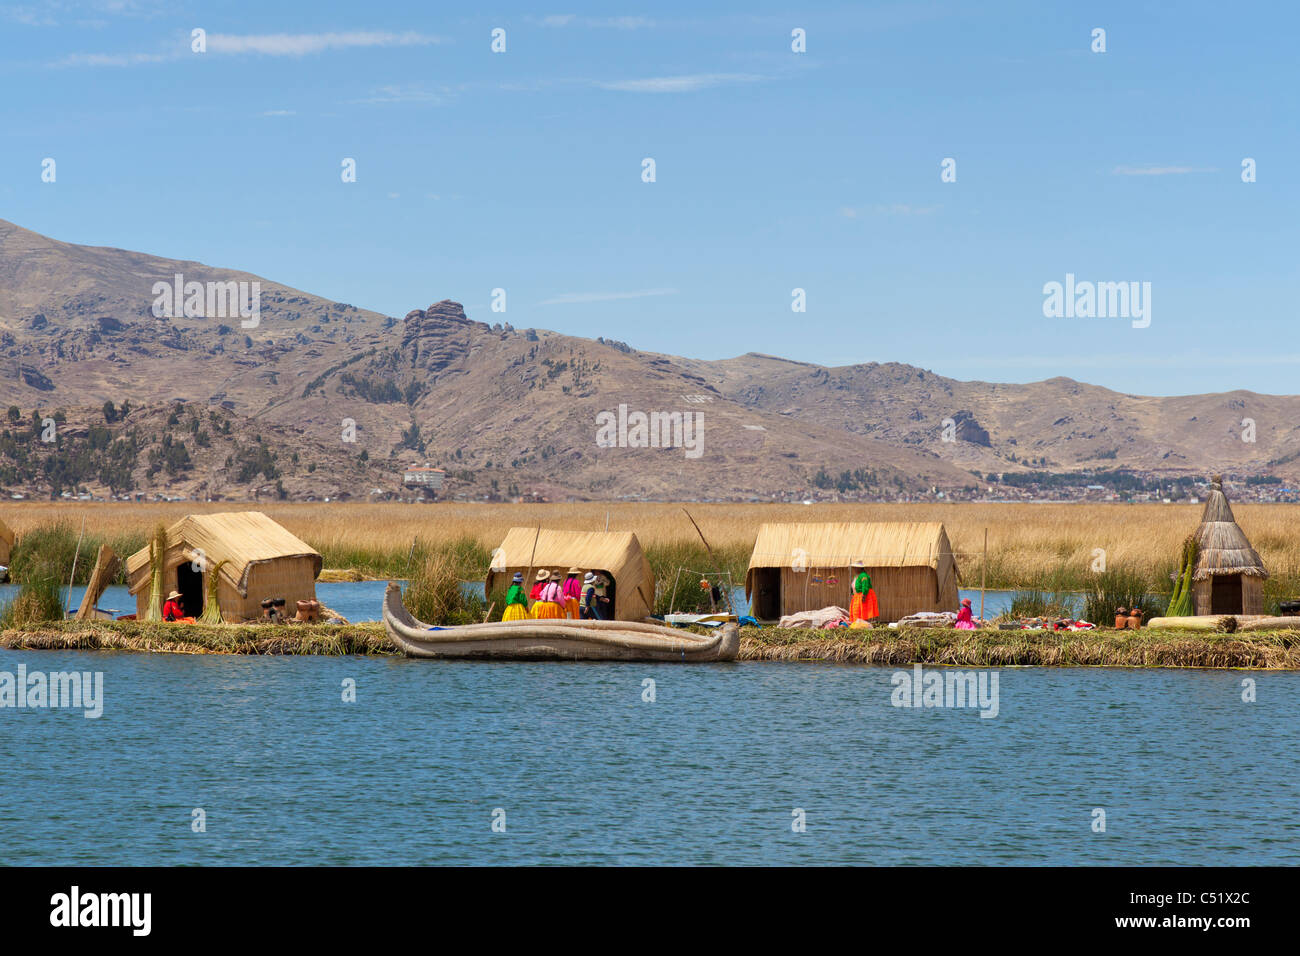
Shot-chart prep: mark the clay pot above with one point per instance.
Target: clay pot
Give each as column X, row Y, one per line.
column 1135, row 619
column 1121, row 618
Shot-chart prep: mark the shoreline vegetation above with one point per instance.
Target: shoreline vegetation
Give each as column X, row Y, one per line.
column 1052, row 556
column 1049, row 547
column 1163, row 647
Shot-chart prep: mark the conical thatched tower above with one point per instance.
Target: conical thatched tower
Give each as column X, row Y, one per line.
column 1229, row 575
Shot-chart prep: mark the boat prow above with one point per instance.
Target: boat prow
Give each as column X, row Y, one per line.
column 554, row 639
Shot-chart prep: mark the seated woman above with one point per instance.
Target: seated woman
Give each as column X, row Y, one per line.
column 174, row 609
column 965, row 621
column 516, row 600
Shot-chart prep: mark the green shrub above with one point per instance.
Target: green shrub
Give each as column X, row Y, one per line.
column 1120, row 588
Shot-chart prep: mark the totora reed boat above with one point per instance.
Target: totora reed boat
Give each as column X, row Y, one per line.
column 554, row 639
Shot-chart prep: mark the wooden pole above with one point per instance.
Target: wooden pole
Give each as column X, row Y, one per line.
column 67, row 601
column 984, row 572
column 105, row 566
column 530, row 560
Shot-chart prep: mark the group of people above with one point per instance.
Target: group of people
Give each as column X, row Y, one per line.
column 574, row 595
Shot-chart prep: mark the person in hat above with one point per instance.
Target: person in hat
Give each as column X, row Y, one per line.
column 516, row 600
column 549, row 599
column 572, row 593
column 539, row 580
column 590, row 607
column 174, row 608
column 965, row 620
column 863, row 606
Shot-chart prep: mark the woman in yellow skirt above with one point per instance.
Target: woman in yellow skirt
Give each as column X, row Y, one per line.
column 864, row 606
column 516, row 600
column 549, row 599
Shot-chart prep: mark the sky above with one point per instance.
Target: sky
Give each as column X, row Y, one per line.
column 774, row 170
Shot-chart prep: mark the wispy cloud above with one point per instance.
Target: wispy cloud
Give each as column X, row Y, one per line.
column 678, row 84
column 1160, row 170
column 574, row 298
column 264, row 44
column 614, row 23
column 114, row 59
column 279, row 112
column 405, row 94
column 892, row 209
column 302, row 44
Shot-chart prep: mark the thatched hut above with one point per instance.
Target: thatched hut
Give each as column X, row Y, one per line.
column 6, row 544
column 802, row 567
column 615, row 554
column 262, row 560
column 1229, row 574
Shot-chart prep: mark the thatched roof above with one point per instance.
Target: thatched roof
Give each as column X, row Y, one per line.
column 1224, row 548
column 240, row 538
column 618, row 552
column 878, row 544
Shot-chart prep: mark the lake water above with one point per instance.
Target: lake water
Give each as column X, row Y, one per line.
column 587, row 772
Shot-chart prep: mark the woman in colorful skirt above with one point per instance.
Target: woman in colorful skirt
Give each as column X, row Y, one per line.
column 516, row 600
column 549, row 600
column 864, row 606
column 965, row 619
column 572, row 593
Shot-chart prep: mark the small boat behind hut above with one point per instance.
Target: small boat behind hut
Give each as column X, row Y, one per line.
column 555, row 639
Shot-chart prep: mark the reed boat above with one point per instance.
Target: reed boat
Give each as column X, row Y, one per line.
column 554, row 639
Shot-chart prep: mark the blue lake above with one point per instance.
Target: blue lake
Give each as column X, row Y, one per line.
column 587, row 772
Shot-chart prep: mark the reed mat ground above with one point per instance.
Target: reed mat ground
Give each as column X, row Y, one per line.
column 1266, row 650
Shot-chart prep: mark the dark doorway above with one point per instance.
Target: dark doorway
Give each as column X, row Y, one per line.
column 1225, row 594
column 765, row 598
column 190, row 583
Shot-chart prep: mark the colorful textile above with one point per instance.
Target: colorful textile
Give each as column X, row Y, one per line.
column 551, row 593
column 864, row 606
column 536, row 592
column 516, row 596
column 862, row 583
column 515, row 612
column 571, row 608
column 546, row 610
column 172, row 611
column 572, row 588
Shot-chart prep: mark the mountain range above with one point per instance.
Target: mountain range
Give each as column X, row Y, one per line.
column 321, row 398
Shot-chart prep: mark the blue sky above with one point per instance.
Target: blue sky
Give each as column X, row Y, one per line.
column 775, row 170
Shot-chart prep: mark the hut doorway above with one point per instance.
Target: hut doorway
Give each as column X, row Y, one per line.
column 1225, row 594
column 190, row 583
column 766, row 605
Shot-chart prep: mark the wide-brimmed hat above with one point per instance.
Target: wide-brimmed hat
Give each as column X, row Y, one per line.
column 965, row 602
column 518, row 578
column 542, row 575
column 858, row 564
column 174, row 595
column 589, row 579
column 575, row 570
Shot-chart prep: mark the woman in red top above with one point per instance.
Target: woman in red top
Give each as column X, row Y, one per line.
column 173, row 610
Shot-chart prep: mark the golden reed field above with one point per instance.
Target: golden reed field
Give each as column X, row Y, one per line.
column 1028, row 544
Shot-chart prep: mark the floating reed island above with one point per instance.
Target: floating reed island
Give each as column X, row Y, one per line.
column 1165, row 647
